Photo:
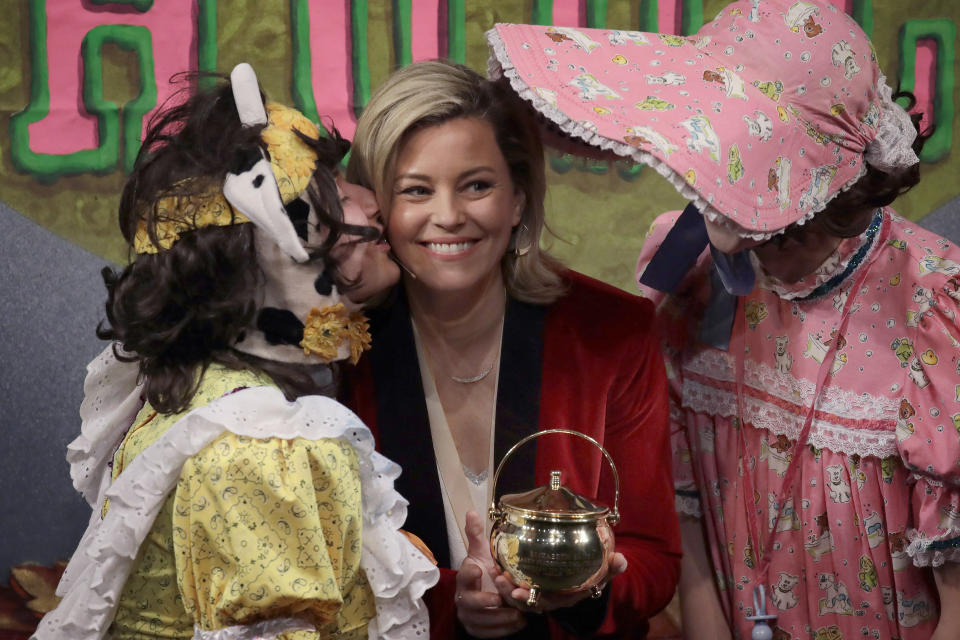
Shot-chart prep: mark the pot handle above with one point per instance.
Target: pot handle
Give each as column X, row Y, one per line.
column 614, row 516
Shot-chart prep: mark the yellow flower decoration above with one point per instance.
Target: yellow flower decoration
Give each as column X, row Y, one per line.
column 293, row 162
column 325, row 330
column 359, row 333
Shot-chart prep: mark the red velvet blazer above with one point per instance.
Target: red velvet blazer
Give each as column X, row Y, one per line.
column 590, row 362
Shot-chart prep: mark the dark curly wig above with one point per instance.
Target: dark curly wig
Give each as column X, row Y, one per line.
column 179, row 310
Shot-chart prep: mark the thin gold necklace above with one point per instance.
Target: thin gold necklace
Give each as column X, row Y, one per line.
column 471, row 379
column 496, row 357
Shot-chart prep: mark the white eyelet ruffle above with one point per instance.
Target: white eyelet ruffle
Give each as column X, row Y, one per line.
column 397, row 572
column 892, row 149
column 111, row 400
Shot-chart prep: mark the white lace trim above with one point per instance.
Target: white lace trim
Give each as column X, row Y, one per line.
column 835, row 263
column 919, row 477
column 923, row 556
column 719, row 365
column 264, row 630
column 111, row 401
column 687, row 505
column 500, row 65
column 398, row 574
column 702, row 398
column 892, row 149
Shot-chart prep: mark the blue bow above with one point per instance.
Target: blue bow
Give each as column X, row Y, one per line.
column 732, row 275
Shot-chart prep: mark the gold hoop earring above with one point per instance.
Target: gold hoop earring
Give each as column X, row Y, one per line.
column 517, row 249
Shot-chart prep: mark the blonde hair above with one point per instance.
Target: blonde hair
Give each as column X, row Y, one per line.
column 428, row 93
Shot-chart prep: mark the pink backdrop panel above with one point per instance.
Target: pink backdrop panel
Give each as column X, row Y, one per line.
column 925, row 73
column 331, row 64
column 68, row 127
column 425, row 30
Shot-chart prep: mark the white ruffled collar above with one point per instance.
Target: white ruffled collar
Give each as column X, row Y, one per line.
column 833, row 265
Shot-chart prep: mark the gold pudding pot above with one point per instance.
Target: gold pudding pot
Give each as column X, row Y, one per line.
column 551, row 539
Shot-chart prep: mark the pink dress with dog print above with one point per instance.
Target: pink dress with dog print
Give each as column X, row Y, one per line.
column 876, row 498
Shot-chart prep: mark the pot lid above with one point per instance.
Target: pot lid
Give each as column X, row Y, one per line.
column 554, row 501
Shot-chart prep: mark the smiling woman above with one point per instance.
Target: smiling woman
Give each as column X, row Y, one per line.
column 452, row 212
column 488, row 340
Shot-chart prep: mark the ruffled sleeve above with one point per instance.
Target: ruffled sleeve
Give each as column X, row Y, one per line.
column 928, row 429
column 271, row 528
column 673, row 314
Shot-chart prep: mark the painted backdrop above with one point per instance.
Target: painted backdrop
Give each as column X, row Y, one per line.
column 81, row 77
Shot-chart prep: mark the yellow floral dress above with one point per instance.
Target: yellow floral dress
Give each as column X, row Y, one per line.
column 256, row 529
column 245, row 516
